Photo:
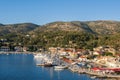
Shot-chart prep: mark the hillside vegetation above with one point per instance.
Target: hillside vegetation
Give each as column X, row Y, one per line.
column 17, row 28
column 75, row 34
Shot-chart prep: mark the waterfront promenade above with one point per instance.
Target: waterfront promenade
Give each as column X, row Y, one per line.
column 94, row 73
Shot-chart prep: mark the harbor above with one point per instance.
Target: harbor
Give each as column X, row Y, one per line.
column 68, row 60
column 58, row 63
column 76, row 67
column 23, row 67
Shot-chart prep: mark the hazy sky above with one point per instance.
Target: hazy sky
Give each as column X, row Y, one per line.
column 44, row 11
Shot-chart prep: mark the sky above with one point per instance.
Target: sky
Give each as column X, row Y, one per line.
column 46, row 11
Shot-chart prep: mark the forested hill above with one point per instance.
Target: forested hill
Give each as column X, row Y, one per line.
column 79, row 34
column 65, row 26
column 17, row 28
column 104, row 27
column 95, row 27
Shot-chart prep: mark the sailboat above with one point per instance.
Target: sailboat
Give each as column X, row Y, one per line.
column 60, row 66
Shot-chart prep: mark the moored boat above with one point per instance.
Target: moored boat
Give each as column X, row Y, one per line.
column 60, row 67
column 39, row 55
column 45, row 64
column 43, row 60
column 48, row 65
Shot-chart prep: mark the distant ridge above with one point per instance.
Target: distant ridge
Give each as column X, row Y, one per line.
column 1, row 25
column 76, row 34
column 17, row 28
column 95, row 27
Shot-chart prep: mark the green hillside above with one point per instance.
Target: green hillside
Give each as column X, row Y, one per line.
column 77, row 34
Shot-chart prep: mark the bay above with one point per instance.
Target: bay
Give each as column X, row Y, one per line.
column 23, row 67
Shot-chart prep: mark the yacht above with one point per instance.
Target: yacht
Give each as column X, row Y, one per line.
column 60, row 67
column 39, row 55
column 43, row 60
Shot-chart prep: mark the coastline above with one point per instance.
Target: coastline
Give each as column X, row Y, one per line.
column 17, row 53
column 74, row 69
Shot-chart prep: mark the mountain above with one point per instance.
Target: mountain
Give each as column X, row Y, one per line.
column 17, row 28
column 78, row 34
column 1, row 25
column 95, row 27
column 104, row 27
column 64, row 26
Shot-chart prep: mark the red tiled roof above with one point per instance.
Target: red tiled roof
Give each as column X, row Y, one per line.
column 113, row 69
column 67, row 60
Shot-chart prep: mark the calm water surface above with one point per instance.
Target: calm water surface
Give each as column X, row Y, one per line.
column 22, row 67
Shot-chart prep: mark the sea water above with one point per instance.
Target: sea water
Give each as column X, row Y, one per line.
column 23, row 67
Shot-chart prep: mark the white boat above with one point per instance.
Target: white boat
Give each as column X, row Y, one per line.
column 39, row 55
column 60, row 67
column 93, row 77
column 43, row 60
